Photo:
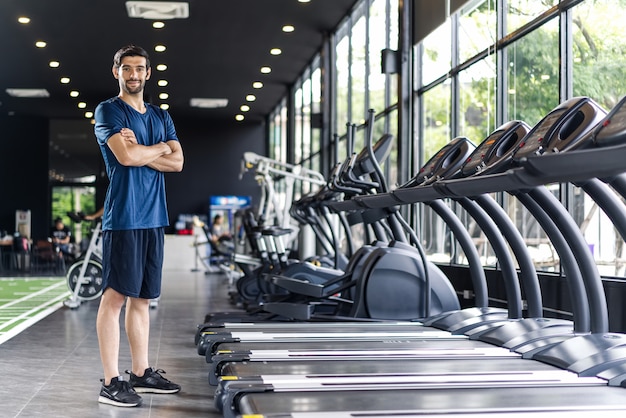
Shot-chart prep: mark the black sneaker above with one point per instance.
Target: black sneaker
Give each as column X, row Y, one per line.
column 119, row 393
column 152, row 382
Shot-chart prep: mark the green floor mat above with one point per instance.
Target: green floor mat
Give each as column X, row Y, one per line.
column 24, row 301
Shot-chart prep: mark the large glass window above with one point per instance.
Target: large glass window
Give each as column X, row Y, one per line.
column 477, row 28
column 533, row 74
column 477, row 100
column 598, row 46
column 437, row 55
column 436, row 119
column 521, row 12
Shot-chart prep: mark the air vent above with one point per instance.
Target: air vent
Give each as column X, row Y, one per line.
column 208, row 103
column 36, row 93
column 157, row 10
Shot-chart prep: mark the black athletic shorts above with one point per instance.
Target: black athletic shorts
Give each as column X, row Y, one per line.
column 132, row 262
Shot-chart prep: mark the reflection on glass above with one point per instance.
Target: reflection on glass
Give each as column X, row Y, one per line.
column 437, row 56
column 477, row 28
column 358, row 71
column 436, row 122
column 342, row 83
column 477, row 100
column 378, row 41
column 533, row 74
column 599, row 46
column 520, row 12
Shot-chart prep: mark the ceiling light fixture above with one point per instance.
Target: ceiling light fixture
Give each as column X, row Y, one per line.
column 65, row 80
column 266, row 70
column 157, row 10
column 40, row 44
column 82, row 105
column 276, row 51
column 163, row 96
column 208, row 103
column 160, row 48
column 239, row 118
column 250, row 97
column 244, row 108
column 23, row 20
column 257, row 85
column 54, row 64
column 89, row 115
column 161, row 67
column 304, row 1
column 74, row 93
column 28, row 93
column 288, row 28
column 164, row 106
column 162, row 83
column 158, row 24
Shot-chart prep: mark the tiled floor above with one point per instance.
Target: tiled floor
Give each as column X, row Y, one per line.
column 53, row 368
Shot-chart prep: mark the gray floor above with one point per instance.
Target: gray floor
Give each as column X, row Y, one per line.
column 53, row 368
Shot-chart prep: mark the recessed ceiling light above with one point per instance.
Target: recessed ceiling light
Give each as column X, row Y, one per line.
column 244, row 108
column 164, row 106
column 304, row 1
column 54, row 64
column 23, row 20
column 288, row 28
column 162, row 83
column 161, row 67
column 239, row 118
column 208, row 103
column 266, row 70
column 157, row 10
column 257, row 85
column 28, row 92
column 163, row 96
column 158, row 24
column 89, row 115
column 65, row 80
column 250, row 97
column 74, row 93
column 160, row 48
column 40, row 44
column 82, row 105
column 276, row 51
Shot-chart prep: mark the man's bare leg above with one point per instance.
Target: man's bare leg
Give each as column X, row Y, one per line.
column 138, row 333
column 108, row 329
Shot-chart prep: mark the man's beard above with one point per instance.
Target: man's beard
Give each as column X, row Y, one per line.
column 135, row 90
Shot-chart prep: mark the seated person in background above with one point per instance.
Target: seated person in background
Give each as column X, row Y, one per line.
column 61, row 235
column 218, row 229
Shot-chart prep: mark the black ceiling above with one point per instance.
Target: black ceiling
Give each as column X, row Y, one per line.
column 215, row 53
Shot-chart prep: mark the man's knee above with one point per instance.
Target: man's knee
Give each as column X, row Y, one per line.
column 113, row 299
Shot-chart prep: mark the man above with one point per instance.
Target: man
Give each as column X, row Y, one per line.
column 138, row 142
column 61, row 235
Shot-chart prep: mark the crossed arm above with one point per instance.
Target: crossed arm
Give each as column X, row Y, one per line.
column 163, row 156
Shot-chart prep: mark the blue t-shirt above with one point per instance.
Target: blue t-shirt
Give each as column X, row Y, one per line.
column 135, row 198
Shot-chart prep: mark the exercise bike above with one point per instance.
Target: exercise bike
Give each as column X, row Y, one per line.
column 84, row 276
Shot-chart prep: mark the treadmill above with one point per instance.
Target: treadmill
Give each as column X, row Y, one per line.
column 467, row 400
column 445, row 162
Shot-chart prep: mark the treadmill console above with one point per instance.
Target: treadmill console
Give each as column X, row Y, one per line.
column 496, row 150
column 612, row 130
column 561, row 128
column 445, row 162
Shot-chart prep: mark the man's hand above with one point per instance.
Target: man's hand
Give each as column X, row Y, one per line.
column 128, row 135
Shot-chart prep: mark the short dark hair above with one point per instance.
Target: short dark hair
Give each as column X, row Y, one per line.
column 130, row 51
column 58, row 220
